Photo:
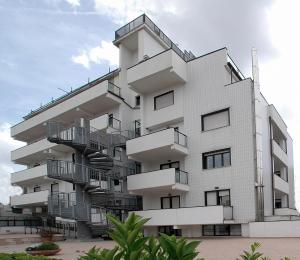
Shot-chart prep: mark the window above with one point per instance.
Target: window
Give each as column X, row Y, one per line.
column 169, row 165
column 137, row 128
column 137, row 101
column 217, row 197
column 278, row 203
column 221, row 230
column 215, row 120
column 54, row 188
column 36, row 189
column 164, row 100
column 172, row 202
column 216, row 159
column 117, row 153
column 110, row 120
column 169, row 230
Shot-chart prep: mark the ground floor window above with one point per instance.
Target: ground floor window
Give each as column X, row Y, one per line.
column 169, row 230
column 221, row 230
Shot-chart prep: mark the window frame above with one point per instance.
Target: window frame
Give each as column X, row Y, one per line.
column 213, row 113
column 170, row 165
column 170, row 200
column 166, row 93
column 213, row 154
column 37, row 188
column 217, row 197
column 137, row 101
column 229, row 226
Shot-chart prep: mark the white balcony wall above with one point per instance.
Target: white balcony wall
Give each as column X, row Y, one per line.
column 277, row 119
column 161, row 180
column 100, row 122
column 94, row 100
column 35, row 174
column 158, row 72
column 38, row 151
column 281, row 185
column 158, row 145
column 40, row 197
column 279, row 153
column 184, row 216
column 286, row 212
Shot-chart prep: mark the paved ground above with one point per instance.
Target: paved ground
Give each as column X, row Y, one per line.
column 210, row 249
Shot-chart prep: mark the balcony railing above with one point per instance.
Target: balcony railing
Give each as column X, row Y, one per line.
column 181, row 177
column 114, row 89
column 144, row 19
column 114, row 123
column 180, row 138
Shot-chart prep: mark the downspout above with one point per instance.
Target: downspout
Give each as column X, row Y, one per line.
column 258, row 138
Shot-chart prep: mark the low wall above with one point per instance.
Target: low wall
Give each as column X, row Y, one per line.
column 275, row 229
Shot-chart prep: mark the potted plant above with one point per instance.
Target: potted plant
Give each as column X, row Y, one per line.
column 45, row 249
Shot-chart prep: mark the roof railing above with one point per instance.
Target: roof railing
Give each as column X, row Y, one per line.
column 144, row 19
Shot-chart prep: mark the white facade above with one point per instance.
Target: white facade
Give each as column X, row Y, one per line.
column 197, row 149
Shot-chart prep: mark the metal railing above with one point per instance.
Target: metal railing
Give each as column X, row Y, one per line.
column 181, row 177
column 144, row 19
column 180, row 138
column 63, row 205
column 114, row 123
column 228, row 212
column 114, row 89
column 77, row 173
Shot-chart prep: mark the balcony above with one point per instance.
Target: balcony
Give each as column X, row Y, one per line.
column 94, row 98
column 30, row 176
column 30, row 199
column 167, row 144
column 186, row 216
column 279, row 153
column 286, row 212
column 281, row 185
column 105, row 122
column 277, row 119
column 37, row 151
column 157, row 72
column 166, row 180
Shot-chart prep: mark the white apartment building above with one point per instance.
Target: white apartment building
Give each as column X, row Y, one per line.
column 190, row 137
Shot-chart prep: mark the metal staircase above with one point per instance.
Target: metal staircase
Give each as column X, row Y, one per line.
column 100, row 177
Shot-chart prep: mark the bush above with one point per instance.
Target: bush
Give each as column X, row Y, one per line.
column 132, row 245
column 22, row 256
column 43, row 246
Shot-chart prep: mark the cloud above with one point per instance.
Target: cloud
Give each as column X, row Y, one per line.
column 105, row 52
column 6, row 166
column 74, row 3
column 123, row 11
column 279, row 76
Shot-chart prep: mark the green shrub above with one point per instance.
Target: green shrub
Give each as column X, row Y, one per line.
column 22, row 256
column 43, row 246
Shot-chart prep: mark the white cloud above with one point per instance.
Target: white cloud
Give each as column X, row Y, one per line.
column 105, row 52
column 6, row 167
column 74, row 3
column 280, row 80
column 123, row 11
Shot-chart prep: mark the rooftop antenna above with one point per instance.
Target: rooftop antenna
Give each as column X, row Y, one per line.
column 108, row 69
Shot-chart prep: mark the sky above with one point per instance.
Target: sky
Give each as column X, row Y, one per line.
column 50, row 46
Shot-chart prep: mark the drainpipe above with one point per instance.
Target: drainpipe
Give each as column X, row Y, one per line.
column 258, row 138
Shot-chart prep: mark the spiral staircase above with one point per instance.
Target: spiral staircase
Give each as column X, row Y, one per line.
column 100, row 177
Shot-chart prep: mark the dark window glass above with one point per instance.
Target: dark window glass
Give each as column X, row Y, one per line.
column 216, row 159
column 170, row 165
column 222, row 230
column 137, row 101
column 217, row 197
column 37, row 189
column 169, row 230
column 278, row 203
column 117, row 153
column 208, row 230
column 164, row 100
column 172, row 202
